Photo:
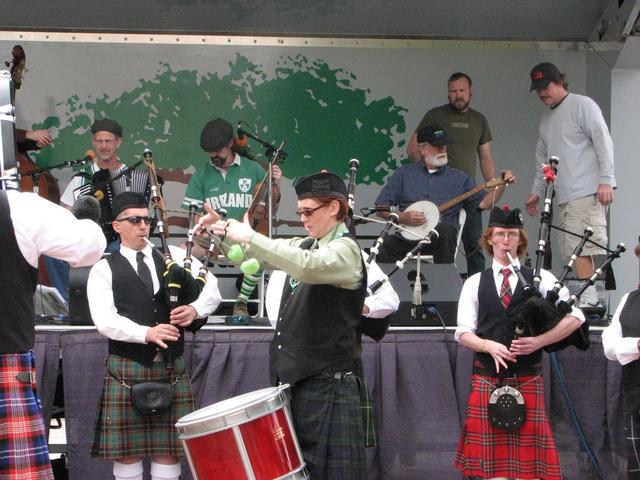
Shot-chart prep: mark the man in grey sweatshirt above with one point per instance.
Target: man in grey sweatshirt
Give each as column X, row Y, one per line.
column 574, row 130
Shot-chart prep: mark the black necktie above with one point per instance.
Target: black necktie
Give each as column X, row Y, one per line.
column 144, row 273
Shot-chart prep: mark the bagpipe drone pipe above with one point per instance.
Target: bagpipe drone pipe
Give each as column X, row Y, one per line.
column 181, row 287
column 537, row 315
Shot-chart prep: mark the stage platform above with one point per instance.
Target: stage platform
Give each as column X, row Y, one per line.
column 419, row 380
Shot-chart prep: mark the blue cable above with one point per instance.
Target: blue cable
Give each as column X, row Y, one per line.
column 574, row 417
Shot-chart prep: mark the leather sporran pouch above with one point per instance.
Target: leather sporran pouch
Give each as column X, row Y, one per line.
column 151, row 398
column 507, row 410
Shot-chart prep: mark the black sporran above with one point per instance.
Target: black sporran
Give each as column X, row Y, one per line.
column 507, row 410
column 151, row 398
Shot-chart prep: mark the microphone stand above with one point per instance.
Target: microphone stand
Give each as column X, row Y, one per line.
column 417, row 312
column 268, row 146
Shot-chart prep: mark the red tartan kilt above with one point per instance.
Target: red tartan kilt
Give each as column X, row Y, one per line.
column 526, row 453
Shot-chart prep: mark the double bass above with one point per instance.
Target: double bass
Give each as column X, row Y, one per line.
column 31, row 179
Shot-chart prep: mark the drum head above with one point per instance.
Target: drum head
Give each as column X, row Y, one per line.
column 430, row 212
column 232, row 411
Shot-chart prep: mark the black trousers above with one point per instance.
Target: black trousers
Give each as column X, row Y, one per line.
column 395, row 247
column 471, row 233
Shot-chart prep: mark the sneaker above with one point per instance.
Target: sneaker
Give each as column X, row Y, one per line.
column 586, row 304
column 240, row 309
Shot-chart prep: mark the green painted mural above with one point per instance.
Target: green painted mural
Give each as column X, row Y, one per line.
column 323, row 112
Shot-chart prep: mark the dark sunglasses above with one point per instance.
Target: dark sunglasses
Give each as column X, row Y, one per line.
column 136, row 219
column 307, row 212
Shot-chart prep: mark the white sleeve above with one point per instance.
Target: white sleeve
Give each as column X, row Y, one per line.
column 547, row 282
column 385, row 300
column 103, row 310
column 468, row 307
column 42, row 227
column 616, row 347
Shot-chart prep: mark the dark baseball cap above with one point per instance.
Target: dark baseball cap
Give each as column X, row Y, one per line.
column 542, row 74
column 433, row 136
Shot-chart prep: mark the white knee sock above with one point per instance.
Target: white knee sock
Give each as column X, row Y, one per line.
column 127, row 471
column 161, row 471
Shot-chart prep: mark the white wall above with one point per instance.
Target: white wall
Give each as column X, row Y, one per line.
column 625, row 126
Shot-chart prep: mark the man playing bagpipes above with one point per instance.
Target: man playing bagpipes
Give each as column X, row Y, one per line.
column 130, row 297
column 507, row 436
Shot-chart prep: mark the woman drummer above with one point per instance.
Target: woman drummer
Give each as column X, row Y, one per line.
column 316, row 332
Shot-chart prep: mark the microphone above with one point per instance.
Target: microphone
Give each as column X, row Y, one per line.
column 86, row 207
column 417, row 312
column 354, row 163
column 241, row 143
column 369, row 210
column 241, row 136
column 89, row 155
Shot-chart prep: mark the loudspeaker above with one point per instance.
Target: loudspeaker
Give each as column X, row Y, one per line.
column 441, row 285
column 79, row 313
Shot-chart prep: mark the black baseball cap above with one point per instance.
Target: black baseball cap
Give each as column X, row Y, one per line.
column 433, row 136
column 544, row 73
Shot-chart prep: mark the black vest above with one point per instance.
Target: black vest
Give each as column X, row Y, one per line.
column 17, row 285
column 496, row 323
column 132, row 301
column 630, row 322
column 317, row 331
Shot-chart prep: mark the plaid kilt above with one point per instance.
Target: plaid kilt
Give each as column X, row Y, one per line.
column 327, row 417
column 120, row 431
column 526, row 453
column 23, row 445
column 632, row 443
column 368, row 419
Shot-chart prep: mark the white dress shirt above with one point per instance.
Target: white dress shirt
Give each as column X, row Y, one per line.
column 468, row 304
column 616, row 347
column 44, row 228
column 117, row 327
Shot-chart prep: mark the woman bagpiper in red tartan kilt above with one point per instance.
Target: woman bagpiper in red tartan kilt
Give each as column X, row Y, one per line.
column 486, row 302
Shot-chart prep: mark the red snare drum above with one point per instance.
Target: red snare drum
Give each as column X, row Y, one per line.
column 248, row 437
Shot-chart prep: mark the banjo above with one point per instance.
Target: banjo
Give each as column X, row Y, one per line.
column 432, row 212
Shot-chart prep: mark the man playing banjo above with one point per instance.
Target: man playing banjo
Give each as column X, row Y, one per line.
column 418, row 189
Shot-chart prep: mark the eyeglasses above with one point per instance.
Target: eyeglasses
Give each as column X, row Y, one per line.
column 136, row 219
column 307, row 212
column 501, row 235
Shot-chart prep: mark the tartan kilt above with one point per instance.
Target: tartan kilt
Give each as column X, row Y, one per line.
column 23, row 445
column 526, row 453
column 632, row 442
column 368, row 419
column 120, row 431
column 327, row 418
